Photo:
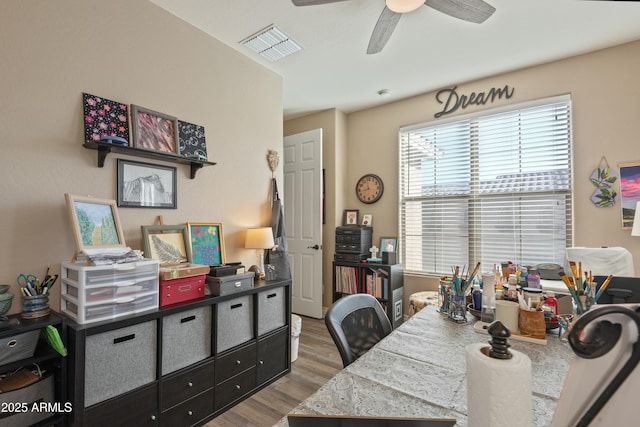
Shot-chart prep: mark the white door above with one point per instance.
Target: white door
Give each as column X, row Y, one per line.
column 303, row 219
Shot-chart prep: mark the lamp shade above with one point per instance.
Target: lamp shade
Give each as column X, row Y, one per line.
column 402, row 6
column 259, row 238
column 635, row 231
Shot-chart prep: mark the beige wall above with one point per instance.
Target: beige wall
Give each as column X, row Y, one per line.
column 136, row 53
column 604, row 92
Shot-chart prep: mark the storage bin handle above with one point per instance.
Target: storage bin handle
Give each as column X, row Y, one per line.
column 124, row 338
column 271, row 295
column 12, row 343
column 184, row 288
column 237, row 284
column 188, row 319
column 236, row 306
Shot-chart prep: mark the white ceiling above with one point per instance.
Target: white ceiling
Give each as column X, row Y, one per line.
column 427, row 51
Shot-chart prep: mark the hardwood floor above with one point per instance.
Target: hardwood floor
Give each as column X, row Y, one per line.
column 318, row 361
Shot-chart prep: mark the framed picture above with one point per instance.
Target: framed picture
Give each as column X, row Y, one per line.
column 166, row 243
column 144, row 185
column 207, row 243
column 104, row 118
column 95, row 223
column 350, row 217
column 366, row 220
column 629, row 194
column 388, row 244
column 154, row 131
column 192, row 141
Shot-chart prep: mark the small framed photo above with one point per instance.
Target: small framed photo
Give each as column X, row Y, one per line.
column 95, row 223
column 207, row 243
column 154, row 131
column 388, row 244
column 629, row 176
column 167, row 243
column 144, row 185
column 350, row 217
column 366, row 220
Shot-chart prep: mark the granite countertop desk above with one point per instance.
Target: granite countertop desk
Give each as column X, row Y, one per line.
column 419, row 370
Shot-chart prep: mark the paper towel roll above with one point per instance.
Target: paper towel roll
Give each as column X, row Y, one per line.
column 498, row 391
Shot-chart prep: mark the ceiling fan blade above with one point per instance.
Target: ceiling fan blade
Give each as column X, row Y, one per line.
column 476, row 11
column 383, row 29
column 312, row 2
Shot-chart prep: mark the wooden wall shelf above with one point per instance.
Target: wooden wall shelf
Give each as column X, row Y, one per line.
column 104, row 148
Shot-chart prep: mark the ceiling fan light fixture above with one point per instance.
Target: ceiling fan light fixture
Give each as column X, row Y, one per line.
column 403, row 6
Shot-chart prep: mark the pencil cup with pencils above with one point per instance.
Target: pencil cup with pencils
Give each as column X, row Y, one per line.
column 35, row 306
column 457, row 306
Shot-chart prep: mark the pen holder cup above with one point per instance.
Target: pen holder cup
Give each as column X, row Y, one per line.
column 457, row 307
column 532, row 324
column 35, row 306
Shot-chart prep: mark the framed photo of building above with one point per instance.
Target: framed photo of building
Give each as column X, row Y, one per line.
column 145, row 185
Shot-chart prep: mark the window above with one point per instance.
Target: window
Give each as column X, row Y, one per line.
column 491, row 187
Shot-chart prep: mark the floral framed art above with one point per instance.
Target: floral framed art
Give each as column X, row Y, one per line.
column 629, row 192
column 207, row 243
column 95, row 223
column 145, row 185
column 350, row 217
column 166, row 243
column 154, row 131
column 104, row 118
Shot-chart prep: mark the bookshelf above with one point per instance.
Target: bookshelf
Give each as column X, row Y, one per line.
column 384, row 281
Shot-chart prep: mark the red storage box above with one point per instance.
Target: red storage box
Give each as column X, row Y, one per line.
column 183, row 289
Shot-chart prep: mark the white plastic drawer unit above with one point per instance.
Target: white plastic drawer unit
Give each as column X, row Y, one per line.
column 91, row 294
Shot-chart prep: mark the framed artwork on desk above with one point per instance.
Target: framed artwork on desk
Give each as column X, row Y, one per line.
column 350, row 217
column 166, row 243
column 207, row 243
column 95, row 223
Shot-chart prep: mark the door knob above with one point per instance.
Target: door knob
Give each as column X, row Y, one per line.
column 316, row 247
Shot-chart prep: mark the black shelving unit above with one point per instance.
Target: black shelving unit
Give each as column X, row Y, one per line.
column 44, row 356
column 390, row 295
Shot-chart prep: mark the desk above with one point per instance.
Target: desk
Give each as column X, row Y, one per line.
column 419, row 370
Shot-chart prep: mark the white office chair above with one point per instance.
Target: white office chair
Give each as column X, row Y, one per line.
column 601, row 261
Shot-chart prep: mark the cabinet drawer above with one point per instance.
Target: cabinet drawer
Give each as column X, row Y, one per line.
column 234, row 322
column 138, row 408
column 189, row 412
column 186, row 385
column 271, row 310
column 110, row 292
column 273, row 356
column 234, row 388
column 186, row 338
column 119, row 361
column 235, row 362
column 88, row 313
column 113, row 274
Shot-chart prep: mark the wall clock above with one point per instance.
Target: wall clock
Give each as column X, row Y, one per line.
column 369, row 188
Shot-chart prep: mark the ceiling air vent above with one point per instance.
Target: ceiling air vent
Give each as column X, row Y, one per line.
column 271, row 43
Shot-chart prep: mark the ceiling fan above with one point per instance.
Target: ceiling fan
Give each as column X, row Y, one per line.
column 476, row 11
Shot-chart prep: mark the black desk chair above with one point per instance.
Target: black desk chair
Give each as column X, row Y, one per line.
column 356, row 323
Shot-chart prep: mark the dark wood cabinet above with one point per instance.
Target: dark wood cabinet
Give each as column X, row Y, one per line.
column 178, row 395
column 384, row 281
column 52, row 387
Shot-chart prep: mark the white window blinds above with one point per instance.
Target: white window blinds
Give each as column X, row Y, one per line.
column 493, row 187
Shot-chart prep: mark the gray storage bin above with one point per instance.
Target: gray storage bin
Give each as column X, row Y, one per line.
column 228, row 284
column 17, row 347
column 42, row 391
column 186, row 338
column 119, row 361
column 271, row 310
column 234, row 322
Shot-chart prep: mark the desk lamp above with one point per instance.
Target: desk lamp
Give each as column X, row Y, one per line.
column 259, row 239
column 635, row 231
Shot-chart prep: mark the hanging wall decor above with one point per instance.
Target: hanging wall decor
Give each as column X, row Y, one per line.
column 629, row 192
column 604, row 178
column 192, row 141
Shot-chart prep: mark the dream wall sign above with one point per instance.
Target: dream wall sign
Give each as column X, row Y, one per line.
column 452, row 100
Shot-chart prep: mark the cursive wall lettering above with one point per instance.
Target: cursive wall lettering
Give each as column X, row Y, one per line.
column 455, row 101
